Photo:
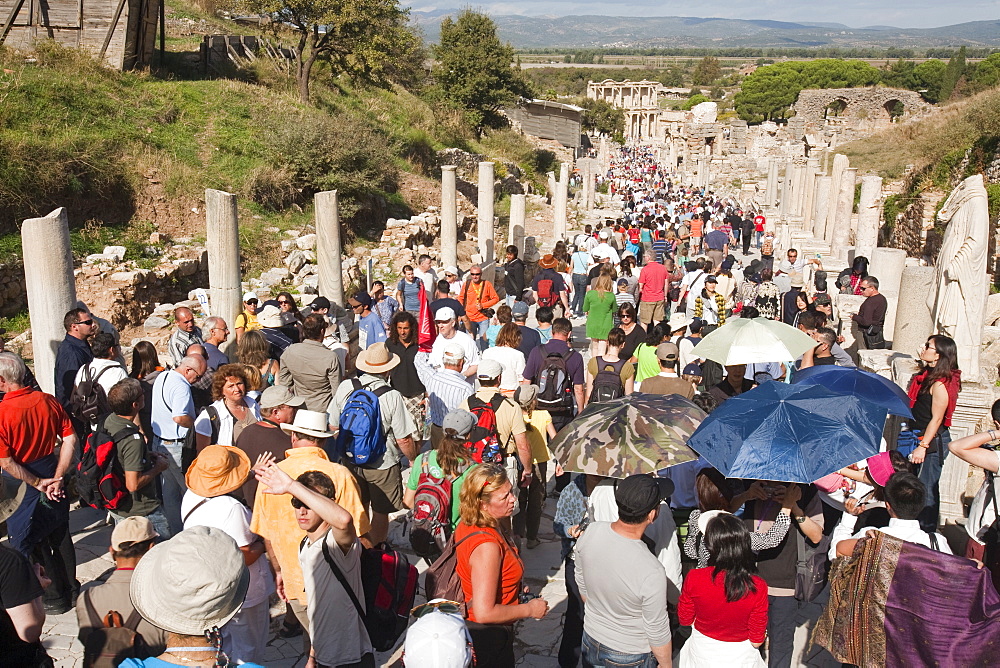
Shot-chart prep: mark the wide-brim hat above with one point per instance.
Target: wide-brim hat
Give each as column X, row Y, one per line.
column 548, row 261
column 311, row 423
column 270, row 316
column 707, row 517
column 678, row 320
column 11, row 495
column 377, row 358
column 218, row 470
column 191, row 583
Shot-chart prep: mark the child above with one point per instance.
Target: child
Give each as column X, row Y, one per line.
column 544, row 316
column 539, row 431
column 503, row 315
column 622, row 297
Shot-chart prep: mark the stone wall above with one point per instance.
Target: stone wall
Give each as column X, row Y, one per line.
column 860, row 104
column 13, row 297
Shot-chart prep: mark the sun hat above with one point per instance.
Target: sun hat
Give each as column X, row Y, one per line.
column 667, row 351
column 707, row 517
column 377, row 359
column 678, row 320
column 11, row 495
column 454, row 352
column 279, row 395
column 444, row 313
column 217, row 470
column 438, row 639
column 548, row 261
column 489, row 369
column 525, row 394
column 880, row 468
column 194, row 582
column 247, row 296
column 639, row 494
column 269, row 316
column 132, row 530
column 312, row 423
column 451, row 270
column 460, row 421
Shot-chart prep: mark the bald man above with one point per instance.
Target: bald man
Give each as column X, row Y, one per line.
column 184, row 335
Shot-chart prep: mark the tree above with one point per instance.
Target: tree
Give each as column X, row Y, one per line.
column 473, row 70
column 954, row 71
column 599, row 116
column 707, row 71
column 359, row 38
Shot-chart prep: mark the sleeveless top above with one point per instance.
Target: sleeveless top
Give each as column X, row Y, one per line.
column 511, row 566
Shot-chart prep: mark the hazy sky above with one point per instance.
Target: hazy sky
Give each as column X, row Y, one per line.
column 854, row 13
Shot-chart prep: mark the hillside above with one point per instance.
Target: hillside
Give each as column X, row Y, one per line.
column 526, row 32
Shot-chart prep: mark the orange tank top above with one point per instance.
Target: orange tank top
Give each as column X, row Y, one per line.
column 511, row 568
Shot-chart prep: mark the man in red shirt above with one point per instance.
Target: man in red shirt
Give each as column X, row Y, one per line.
column 654, row 281
column 476, row 295
column 30, row 424
column 758, row 228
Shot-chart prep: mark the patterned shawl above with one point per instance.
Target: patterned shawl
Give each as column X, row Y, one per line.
column 894, row 603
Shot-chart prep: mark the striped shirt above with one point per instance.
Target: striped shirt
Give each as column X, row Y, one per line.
column 446, row 388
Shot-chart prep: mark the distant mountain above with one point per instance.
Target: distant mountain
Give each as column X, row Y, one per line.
column 527, row 32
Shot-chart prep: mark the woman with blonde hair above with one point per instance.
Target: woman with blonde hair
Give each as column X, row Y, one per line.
column 599, row 304
column 488, row 564
column 256, row 351
column 510, row 358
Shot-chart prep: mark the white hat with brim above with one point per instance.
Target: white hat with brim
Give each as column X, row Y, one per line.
column 270, row 316
column 678, row 320
column 377, row 359
column 707, row 517
column 311, row 423
column 191, row 583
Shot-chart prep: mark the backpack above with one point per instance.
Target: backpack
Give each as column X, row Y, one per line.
column 812, row 564
column 441, row 579
column 546, row 296
column 608, row 381
column 634, row 236
column 431, row 523
column 109, row 646
column 484, row 439
column 100, row 477
column 390, row 585
column 555, row 387
column 88, row 401
column 361, row 439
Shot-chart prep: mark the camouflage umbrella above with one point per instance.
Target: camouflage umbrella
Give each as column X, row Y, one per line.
column 638, row 433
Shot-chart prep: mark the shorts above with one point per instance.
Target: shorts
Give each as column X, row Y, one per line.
column 382, row 488
column 650, row 312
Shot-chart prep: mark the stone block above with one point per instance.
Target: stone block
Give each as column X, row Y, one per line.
column 187, row 266
column 116, row 252
column 275, row 276
column 307, row 270
column 288, row 245
column 293, row 233
column 306, row 242
column 159, row 238
column 155, row 322
column 97, row 258
column 310, row 285
column 295, row 260
column 126, row 277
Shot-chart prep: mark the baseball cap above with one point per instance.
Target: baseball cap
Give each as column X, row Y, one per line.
column 320, row 303
column 247, row 296
column 667, row 351
column 279, row 395
column 460, row 421
column 438, row 640
column 638, row 494
column 692, row 369
column 823, row 299
column 132, row 530
column 454, row 352
column 622, row 283
column 444, row 313
column 711, row 279
column 363, row 298
column 519, row 309
column 489, row 369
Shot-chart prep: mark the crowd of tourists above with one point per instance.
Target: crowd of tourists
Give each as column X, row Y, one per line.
column 268, row 461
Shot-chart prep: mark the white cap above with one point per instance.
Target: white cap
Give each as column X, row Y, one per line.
column 454, row 352
column 451, row 270
column 604, row 234
column 247, row 296
column 438, row 640
column 445, row 313
column 489, row 369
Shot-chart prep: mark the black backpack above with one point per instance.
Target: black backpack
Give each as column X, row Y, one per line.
column 555, row 387
column 608, row 381
column 88, row 401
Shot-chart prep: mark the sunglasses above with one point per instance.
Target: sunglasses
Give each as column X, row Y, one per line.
column 298, row 504
column 86, row 322
column 449, row 607
column 471, row 273
column 252, row 301
column 284, row 301
column 357, row 306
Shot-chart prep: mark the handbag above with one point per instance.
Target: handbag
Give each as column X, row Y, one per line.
column 907, row 441
column 811, row 567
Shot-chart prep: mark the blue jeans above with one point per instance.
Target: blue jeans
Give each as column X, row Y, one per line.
column 596, row 655
column 579, row 292
column 929, row 473
column 173, row 486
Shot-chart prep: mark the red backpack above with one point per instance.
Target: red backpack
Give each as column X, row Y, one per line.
column 484, row 440
column 634, row 236
column 547, row 297
column 431, row 522
column 100, row 477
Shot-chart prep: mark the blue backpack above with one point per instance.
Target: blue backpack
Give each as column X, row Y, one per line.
column 361, row 439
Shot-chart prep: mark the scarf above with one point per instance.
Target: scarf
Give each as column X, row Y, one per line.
column 953, row 385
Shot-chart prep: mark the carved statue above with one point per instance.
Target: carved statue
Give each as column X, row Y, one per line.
column 957, row 304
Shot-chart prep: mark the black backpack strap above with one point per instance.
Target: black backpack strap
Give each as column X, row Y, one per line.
column 190, row 512
column 342, row 580
column 213, row 421
column 475, row 402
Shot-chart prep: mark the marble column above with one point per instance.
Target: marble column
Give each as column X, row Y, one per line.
column 51, row 288
column 602, row 153
column 672, row 162
column 771, row 194
column 821, row 205
column 485, row 216
column 786, row 191
column 887, row 265
column 840, row 163
column 812, row 172
column 329, row 247
column 591, row 200
column 449, row 217
column 869, row 213
column 561, row 202
column 910, row 332
column 799, row 191
column 223, row 245
column 842, row 219
column 515, row 231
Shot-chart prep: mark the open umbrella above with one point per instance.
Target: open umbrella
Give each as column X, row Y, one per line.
column 638, row 433
column 753, row 341
column 793, row 433
column 864, row 384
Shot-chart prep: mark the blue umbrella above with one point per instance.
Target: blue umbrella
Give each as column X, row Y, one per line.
column 792, row 433
column 863, row 384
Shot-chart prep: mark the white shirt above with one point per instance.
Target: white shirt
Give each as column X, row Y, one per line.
column 430, row 280
column 203, row 425
column 115, row 372
column 512, row 361
column 229, row 515
column 436, row 358
column 908, row 530
column 605, row 249
column 337, row 632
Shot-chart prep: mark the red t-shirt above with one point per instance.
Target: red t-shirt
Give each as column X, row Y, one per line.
column 758, row 223
column 30, row 422
column 511, row 568
column 703, row 603
column 652, row 278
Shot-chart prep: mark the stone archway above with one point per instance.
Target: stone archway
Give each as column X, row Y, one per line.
column 895, row 109
column 836, row 108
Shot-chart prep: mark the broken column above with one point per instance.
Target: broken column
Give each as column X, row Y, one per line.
column 869, row 213
column 51, row 288
column 887, row 264
column 515, row 227
column 223, row 245
column 449, row 217
column 910, row 333
column 485, row 230
column 821, row 205
column 786, row 191
column 812, row 172
column 329, row 248
column 840, row 163
column 798, row 191
column 845, row 207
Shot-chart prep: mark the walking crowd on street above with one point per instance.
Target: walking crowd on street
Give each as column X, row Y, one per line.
column 268, row 463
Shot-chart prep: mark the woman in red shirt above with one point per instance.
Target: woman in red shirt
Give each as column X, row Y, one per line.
column 725, row 603
column 488, row 564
